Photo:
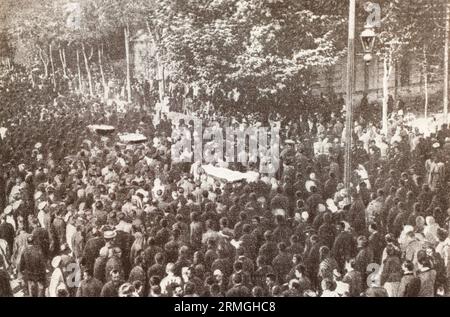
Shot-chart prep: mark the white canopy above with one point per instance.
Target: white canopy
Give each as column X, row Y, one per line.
column 229, row 175
column 132, row 138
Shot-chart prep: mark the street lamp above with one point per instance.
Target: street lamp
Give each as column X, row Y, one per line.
column 368, row 41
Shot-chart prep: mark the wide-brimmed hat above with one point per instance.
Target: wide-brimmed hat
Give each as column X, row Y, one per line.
column 109, row 234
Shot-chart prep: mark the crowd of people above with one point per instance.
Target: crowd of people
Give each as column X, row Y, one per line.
column 85, row 215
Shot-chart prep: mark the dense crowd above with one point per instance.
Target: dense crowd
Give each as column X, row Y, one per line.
column 85, row 215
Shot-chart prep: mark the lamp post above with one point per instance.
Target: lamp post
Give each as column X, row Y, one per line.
column 446, row 58
column 350, row 88
column 368, row 41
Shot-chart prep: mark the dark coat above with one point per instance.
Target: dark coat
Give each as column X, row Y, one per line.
column 111, row 289
column 268, row 250
column 249, row 244
column 427, row 283
column 99, row 268
column 224, row 265
column 377, row 244
column 354, row 279
column 409, row 286
column 238, row 291
column 5, row 286
column 344, row 248
column 92, row 250
column 156, row 270
column 327, row 234
column 392, row 270
column 282, row 265
column 259, row 278
column 32, row 264
column 376, row 292
column 91, row 288
column 41, row 238
column 137, row 274
column 7, row 233
column 363, row 259
column 59, row 228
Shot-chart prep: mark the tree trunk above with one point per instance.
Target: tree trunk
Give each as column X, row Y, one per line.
column 446, row 63
column 387, row 67
column 44, row 62
column 80, row 80
column 397, row 79
column 127, row 52
column 88, row 71
column 100, row 64
column 50, row 52
column 64, row 57
column 425, row 72
column 62, row 62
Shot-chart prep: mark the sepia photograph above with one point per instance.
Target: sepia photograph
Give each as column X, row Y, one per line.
column 232, row 150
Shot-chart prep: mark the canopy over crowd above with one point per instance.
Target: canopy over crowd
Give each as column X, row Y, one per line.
column 84, row 214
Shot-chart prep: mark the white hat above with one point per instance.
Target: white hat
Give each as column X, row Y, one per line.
column 109, row 234
column 408, row 229
column 217, row 272
column 305, row 216
column 38, row 145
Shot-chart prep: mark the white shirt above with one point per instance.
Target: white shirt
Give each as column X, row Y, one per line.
column 167, row 281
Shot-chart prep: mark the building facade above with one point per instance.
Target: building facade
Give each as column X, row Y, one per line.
column 406, row 82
